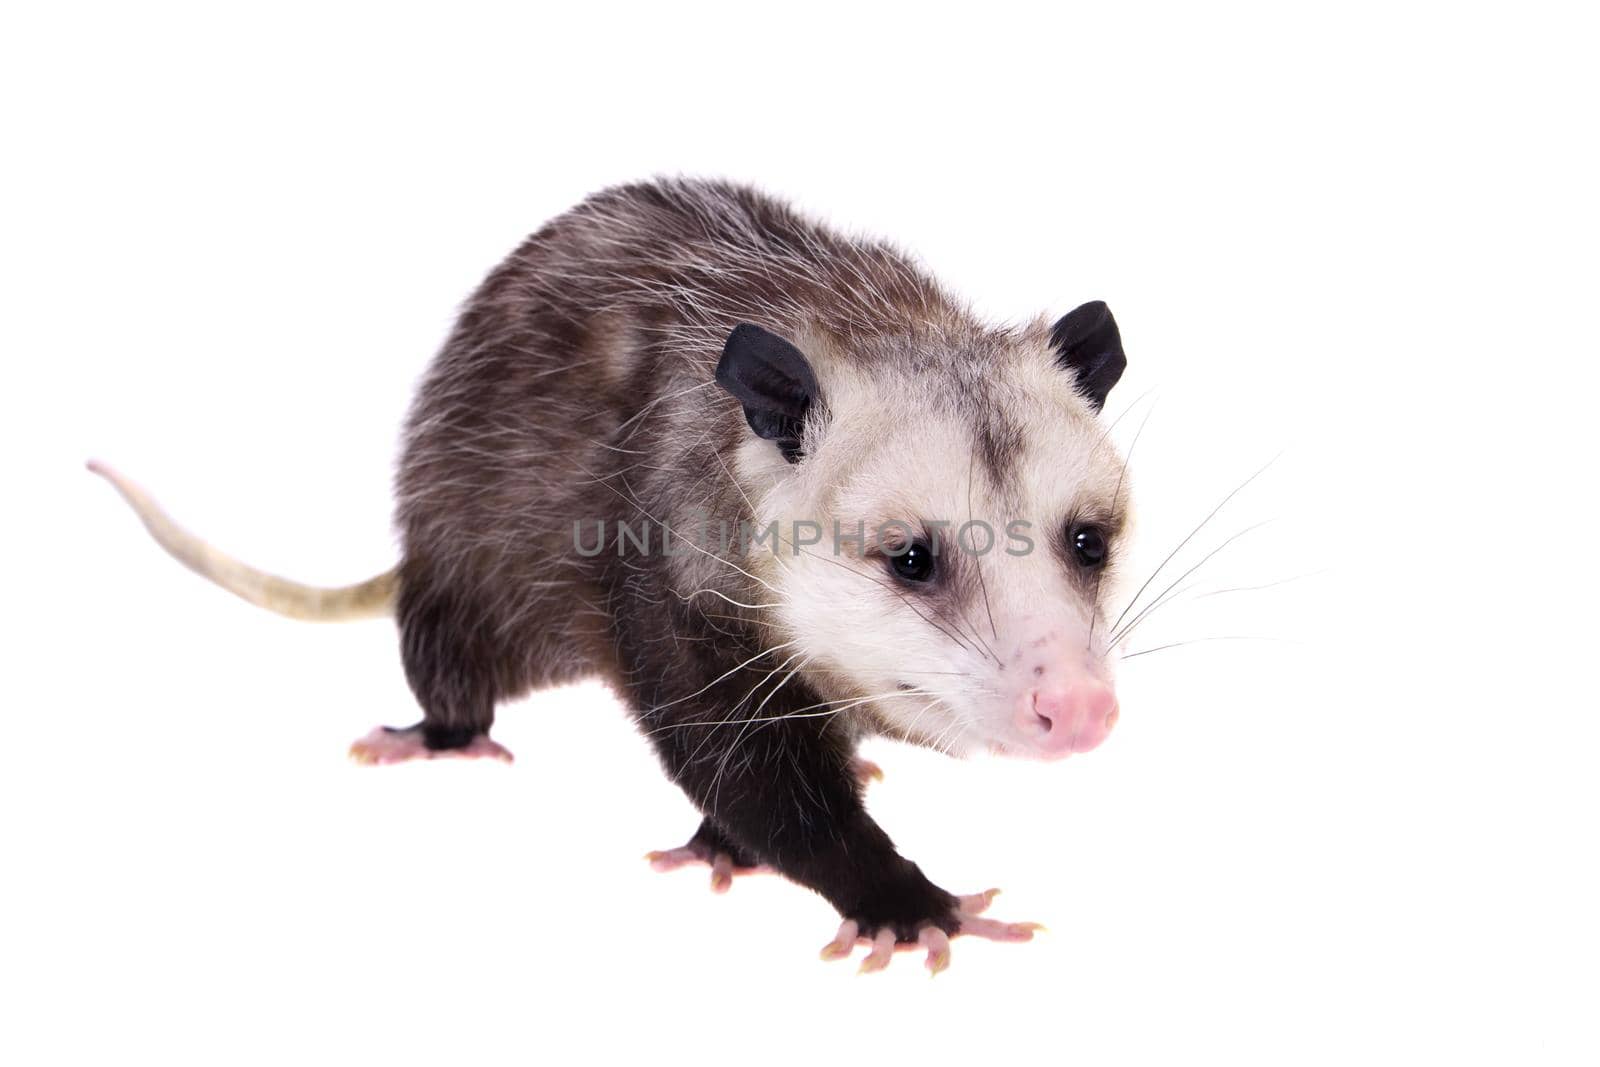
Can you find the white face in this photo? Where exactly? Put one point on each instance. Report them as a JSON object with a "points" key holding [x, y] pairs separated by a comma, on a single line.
{"points": [[991, 631]]}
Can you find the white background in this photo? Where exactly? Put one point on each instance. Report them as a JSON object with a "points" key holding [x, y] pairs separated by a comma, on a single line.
{"points": [[1360, 236]]}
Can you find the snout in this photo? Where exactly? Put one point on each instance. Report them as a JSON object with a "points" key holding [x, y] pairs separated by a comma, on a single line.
{"points": [[1072, 714]]}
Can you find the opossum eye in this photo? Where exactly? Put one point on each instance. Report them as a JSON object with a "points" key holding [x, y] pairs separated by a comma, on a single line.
{"points": [[915, 563], [1089, 546]]}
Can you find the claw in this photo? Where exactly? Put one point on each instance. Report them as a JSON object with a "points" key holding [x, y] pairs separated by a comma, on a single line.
{"points": [[721, 873], [865, 770], [977, 903], [882, 952], [937, 942], [843, 942]]}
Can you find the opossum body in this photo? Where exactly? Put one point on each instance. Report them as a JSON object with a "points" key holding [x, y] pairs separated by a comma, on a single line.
{"points": [[670, 353]]}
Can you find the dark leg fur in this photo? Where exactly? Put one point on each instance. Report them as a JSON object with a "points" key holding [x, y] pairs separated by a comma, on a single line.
{"points": [[437, 737], [711, 840], [454, 668], [781, 790]]}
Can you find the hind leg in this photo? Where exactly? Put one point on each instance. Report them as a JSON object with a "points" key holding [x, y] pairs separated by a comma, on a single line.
{"points": [[457, 671]]}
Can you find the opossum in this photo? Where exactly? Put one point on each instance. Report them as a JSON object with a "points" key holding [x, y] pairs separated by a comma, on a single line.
{"points": [[784, 492]]}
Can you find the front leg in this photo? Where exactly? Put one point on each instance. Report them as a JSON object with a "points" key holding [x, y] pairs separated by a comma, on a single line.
{"points": [[727, 860], [780, 785]]}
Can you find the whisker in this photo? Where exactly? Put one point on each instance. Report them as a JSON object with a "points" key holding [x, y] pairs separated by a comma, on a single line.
{"points": [[1119, 635], [686, 597], [727, 674], [978, 562], [1267, 585], [1239, 489], [716, 779], [763, 680], [1199, 640], [1116, 502]]}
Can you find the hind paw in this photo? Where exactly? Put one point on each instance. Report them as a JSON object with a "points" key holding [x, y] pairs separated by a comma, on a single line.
{"points": [[387, 744]]}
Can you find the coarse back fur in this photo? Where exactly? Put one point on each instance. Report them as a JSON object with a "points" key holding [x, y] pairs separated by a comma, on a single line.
{"points": [[577, 387]]}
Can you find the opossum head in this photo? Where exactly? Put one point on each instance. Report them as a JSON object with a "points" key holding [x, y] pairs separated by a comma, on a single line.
{"points": [[950, 517]]}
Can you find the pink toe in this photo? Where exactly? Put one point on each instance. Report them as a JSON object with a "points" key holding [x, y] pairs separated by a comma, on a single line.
{"points": [[381, 746], [937, 942], [842, 942], [882, 952]]}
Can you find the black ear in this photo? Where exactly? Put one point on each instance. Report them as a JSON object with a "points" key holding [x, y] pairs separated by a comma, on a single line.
{"points": [[772, 379], [1087, 342]]}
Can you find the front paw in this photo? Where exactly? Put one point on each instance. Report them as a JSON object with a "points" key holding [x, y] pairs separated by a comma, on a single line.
{"points": [[711, 847], [962, 915]]}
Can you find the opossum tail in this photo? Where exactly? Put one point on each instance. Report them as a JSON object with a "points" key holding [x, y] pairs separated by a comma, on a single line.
{"points": [[366, 600]]}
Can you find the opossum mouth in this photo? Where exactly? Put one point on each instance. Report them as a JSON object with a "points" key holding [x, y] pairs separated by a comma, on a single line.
{"points": [[1013, 750]]}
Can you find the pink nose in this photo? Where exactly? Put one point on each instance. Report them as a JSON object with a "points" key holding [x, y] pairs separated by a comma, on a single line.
{"points": [[1063, 719]]}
